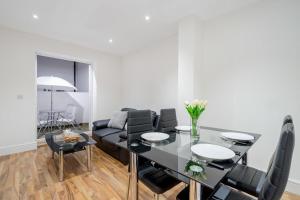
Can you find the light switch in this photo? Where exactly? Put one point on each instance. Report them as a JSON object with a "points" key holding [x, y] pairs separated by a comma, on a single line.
{"points": [[19, 96]]}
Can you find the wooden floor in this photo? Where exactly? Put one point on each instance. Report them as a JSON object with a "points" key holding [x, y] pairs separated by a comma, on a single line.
{"points": [[33, 175]]}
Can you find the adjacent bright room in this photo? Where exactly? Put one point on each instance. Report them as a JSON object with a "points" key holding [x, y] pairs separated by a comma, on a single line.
{"points": [[63, 95]]}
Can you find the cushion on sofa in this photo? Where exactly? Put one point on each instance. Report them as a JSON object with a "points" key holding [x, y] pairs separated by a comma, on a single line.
{"points": [[118, 120], [104, 132]]}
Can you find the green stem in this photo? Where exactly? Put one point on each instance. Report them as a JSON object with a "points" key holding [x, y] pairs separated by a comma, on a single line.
{"points": [[194, 127]]}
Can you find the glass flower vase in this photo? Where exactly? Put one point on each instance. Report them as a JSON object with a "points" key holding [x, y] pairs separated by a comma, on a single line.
{"points": [[194, 131]]}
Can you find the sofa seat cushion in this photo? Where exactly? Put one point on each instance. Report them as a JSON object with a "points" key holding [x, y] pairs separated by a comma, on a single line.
{"points": [[113, 138], [99, 134]]}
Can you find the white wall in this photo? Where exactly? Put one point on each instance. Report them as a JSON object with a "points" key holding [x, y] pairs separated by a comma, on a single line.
{"points": [[17, 84], [188, 34], [149, 77], [250, 75]]}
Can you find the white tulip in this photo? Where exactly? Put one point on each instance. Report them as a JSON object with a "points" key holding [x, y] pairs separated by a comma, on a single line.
{"points": [[200, 102], [195, 101], [186, 103]]}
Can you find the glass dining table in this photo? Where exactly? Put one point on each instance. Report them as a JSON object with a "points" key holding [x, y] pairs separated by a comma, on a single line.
{"points": [[176, 156]]}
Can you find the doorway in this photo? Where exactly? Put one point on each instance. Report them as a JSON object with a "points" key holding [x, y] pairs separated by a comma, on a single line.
{"points": [[64, 91]]}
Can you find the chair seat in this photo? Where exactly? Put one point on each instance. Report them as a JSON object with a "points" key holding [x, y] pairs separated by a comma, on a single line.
{"points": [[222, 193], [157, 180], [246, 178], [65, 120], [227, 193], [43, 122]]}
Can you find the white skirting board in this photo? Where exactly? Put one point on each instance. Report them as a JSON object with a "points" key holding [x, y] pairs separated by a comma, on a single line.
{"points": [[293, 186], [11, 149]]}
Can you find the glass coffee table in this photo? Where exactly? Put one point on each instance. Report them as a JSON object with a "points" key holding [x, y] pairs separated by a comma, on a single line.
{"points": [[58, 145]]}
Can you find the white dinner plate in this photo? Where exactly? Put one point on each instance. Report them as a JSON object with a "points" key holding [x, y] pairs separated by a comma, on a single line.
{"points": [[237, 136], [155, 136], [213, 152], [183, 128]]}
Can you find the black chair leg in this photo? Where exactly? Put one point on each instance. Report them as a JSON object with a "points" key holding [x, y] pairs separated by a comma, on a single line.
{"points": [[245, 159]]}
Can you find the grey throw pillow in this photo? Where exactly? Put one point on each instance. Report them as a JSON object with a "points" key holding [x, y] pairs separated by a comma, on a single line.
{"points": [[118, 120]]}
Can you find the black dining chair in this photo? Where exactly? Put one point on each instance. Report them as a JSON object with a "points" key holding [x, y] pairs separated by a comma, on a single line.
{"points": [[274, 183], [155, 178], [167, 120], [249, 179]]}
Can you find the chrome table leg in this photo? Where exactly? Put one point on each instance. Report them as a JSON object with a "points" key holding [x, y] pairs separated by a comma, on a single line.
{"points": [[133, 176], [61, 165], [89, 157], [195, 190], [128, 187]]}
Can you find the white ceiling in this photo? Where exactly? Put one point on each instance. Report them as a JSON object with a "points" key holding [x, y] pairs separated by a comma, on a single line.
{"points": [[92, 23]]}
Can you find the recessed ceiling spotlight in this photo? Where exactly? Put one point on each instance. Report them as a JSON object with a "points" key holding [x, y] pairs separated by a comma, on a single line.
{"points": [[110, 40], [147, 18], [35, 16]]}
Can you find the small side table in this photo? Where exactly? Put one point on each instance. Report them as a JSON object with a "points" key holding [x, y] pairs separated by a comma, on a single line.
{"points": [[58, 145]]}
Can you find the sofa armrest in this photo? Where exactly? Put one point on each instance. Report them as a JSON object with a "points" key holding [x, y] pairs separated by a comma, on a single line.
{"points": [[123, 135], [100, 124]]}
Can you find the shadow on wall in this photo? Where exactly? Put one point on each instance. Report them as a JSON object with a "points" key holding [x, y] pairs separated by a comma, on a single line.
{"points": [[62, 99]]}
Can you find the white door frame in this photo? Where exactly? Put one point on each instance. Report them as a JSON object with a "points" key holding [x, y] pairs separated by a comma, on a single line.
{"points": [[73, 59]]}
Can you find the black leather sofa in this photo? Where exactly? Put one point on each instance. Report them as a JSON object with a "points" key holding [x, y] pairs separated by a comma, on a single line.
{"points": [[107, 138]]}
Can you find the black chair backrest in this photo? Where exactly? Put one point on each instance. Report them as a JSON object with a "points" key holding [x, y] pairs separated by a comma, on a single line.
{"points": [[139, 121], [128, 109], [278, 174], [287, 119], [167, 121]]}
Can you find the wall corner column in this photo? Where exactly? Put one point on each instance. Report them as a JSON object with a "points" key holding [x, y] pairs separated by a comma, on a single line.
{"points": [[188, 51]]}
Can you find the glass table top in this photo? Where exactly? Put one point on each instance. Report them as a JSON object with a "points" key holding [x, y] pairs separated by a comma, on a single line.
{"points": [[58, 138], [176, 155]]}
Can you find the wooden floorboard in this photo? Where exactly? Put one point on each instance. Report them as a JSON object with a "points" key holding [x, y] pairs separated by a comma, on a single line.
{"points": [[33, 175]]}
